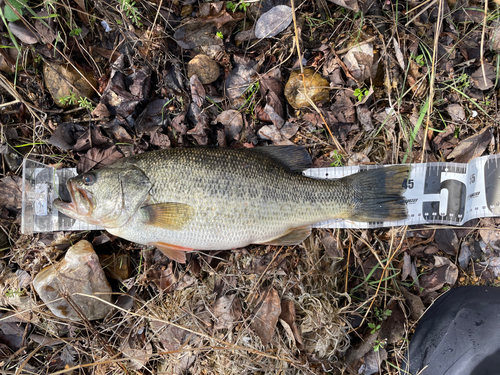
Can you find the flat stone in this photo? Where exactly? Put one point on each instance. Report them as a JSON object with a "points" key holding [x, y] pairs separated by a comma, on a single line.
{"points": [[205, 68], [78, 276], [317, 88], [63, 80]]}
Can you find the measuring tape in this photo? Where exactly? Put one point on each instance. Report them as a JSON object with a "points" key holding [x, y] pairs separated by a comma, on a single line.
{"points": [[436, 193]]}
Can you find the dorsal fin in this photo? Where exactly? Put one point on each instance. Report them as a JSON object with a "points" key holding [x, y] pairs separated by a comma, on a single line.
{"points": [[296, 158]]}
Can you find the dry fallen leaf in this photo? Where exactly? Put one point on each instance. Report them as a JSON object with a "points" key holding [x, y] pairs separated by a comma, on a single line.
{"points": [[393, 326], [359, 61], [226, 311], [273, 22], [97, 157], [456, 112], [197, 90], [266, 315], [233, 123], [472, 147], [289, 317], [484, 81]]}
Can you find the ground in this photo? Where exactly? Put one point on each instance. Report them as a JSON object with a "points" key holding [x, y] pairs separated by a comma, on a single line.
{"points": [[84, 83]]}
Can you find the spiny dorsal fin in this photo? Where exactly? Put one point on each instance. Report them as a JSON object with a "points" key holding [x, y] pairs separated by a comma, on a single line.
{"points": [[168, 215], [296, 158], [292, 236]]}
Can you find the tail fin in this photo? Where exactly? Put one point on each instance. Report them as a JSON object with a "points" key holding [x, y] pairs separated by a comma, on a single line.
{"points": [[378, 194]]}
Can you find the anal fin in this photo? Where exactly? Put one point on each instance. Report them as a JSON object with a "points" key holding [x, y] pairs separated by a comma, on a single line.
{"points": [[174, 252], [292, 236]]}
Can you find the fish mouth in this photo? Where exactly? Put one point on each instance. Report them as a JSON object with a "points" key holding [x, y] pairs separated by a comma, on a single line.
{"points": [[81, 205]]}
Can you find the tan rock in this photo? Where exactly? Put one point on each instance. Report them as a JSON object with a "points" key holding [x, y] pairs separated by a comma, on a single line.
{"points": [[205, 68], [78, 276], [63, 80], [316, 86]]}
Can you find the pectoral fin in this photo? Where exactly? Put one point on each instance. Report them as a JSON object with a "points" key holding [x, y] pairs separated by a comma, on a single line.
{"points": [[169, 215], [174, 252], [292, 236]]}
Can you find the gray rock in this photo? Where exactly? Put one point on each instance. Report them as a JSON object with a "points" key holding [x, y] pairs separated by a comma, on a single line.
{"points": [[78, 276]]}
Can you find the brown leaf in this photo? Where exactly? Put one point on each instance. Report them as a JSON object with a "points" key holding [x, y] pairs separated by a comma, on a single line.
{"points": [[274, 21], [393, 327], [192, 35], [271, 89], [178, 123], [456, 112], [354, 353], [233, 123], [120, 97], [46, 34], [159, 139], [349, 4], [10, 193], [101, 111], [332, 248], [444, 272], [406, 266], [469, 15], [288, 315], [135, 347], [446, 139], [417, 307], [472, 147], [452, 271], [266, 315], [364, 117], [197, 90], [22, 32], [344, 109], [447, 241], [126, 301], [116, 266], [271, 133], [484, 81], [241, 77], [359, 61], [200, 118], [97, 157], [224, 17], [226, 311], [92, 137], [172, 338], [152, 117], [163, 278]]}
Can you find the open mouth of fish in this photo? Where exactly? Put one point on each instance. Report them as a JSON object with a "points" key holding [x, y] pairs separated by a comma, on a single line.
{"points": [[81, 203]]}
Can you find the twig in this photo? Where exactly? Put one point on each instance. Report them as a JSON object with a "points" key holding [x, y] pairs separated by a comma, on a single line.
{"points": [[296, 41], [481, 53], [438, 24]]}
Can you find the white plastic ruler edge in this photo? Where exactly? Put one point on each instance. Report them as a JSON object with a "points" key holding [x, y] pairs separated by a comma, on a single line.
{"points": [[436, 193]]}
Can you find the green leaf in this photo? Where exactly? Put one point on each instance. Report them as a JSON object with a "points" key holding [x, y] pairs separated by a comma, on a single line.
{"points": [[19, 5]]}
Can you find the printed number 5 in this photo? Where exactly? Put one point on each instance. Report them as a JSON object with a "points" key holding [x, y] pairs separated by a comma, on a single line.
{"points": [[408, 184]]}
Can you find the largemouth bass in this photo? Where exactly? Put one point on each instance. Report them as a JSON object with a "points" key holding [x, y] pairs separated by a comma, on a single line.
{"points": [[186, 199]]}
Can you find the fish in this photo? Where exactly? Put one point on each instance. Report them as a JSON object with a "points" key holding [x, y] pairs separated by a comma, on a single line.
{"points": [[213, 198]]}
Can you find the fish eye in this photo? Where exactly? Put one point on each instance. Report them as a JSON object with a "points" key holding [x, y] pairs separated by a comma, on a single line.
{"points": [[88, 179]]}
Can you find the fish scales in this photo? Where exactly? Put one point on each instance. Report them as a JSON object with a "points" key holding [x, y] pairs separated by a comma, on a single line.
{"points": [[229, 198]]}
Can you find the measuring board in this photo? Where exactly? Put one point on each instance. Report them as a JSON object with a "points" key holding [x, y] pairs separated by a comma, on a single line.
{"points": [[436, 193]]}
